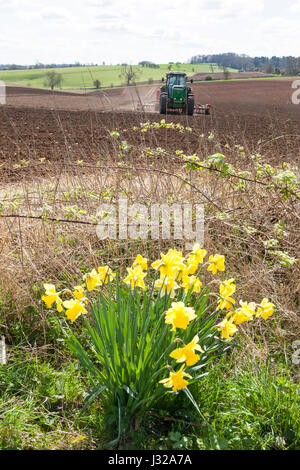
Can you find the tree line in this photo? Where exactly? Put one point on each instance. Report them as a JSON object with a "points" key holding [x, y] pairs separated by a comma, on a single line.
{"points": [[287, 65], [40, 65]]}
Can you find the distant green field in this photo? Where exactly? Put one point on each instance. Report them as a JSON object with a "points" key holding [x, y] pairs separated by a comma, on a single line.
{"points": [[76, 78]]}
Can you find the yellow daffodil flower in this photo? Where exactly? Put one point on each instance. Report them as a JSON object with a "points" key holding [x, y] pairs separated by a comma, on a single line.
{"points": [[216, 263], [176, 380], [51, 297], [79, 293], [197, 255], [142, 261], [245, 313], [166, 285], [227, 288], [92, 279], [190, 268], [169, 264], [105, 273], [179, 316], [226, 303], [227, 328], [189, 281], [74, 309], [135, 277], [187, 353], [265, 309]]}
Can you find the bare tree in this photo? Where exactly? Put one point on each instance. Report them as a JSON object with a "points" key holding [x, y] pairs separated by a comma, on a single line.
{"points": [[291, 66], [53, 79], [226, 73], [269, 68], [129, 73]]}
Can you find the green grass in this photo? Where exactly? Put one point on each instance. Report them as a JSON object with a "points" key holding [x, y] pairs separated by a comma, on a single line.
{"points": [[83, 77], [80, 78], [39, 402], [250, 408], [249, 405]]}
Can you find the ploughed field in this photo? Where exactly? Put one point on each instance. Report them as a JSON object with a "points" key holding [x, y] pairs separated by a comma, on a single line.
{"points": [[66, 128]]}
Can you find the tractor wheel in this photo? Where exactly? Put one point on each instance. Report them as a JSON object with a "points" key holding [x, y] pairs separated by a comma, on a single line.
{"points": [[190, 105], [163, 104]]}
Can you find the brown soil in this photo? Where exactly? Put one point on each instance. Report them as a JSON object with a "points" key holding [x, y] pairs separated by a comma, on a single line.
{"points": [[64, 127], [262, 93], [107, 100]]}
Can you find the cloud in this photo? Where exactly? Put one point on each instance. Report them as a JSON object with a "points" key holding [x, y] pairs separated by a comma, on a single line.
{"points": [[106, 16], [98, 4], [137, 29], [5, 3], [55, 14], [111, 27], [295, 7]]}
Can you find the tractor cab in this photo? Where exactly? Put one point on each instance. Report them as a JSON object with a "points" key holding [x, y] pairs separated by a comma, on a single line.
{"points": [[176, 78], [176, 87]]}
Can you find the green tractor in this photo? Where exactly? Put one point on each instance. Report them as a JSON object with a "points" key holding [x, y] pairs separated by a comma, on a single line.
{"points": [[175, 94]]}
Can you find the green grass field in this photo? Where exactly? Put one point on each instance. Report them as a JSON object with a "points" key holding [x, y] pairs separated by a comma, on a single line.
{"points": [[75, 78]]}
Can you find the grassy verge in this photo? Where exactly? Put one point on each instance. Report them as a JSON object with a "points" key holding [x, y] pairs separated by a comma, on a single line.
{"points": [[251, 405]]}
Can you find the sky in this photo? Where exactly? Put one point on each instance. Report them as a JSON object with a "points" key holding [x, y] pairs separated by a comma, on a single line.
{"points": [[116, 31]]}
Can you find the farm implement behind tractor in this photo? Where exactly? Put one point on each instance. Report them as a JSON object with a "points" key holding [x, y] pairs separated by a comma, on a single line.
{"points": [[202, 109]]}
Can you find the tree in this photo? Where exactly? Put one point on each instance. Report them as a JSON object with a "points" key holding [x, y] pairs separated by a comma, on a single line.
{"points": [[53, 79], [129, 73], [269, 68], [147, 63], [97, 84], [291, 66], [226, 73]]}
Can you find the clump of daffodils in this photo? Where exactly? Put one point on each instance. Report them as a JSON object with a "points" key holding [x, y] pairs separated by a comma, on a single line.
{"points": [[175, 275], [76, 306]]}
